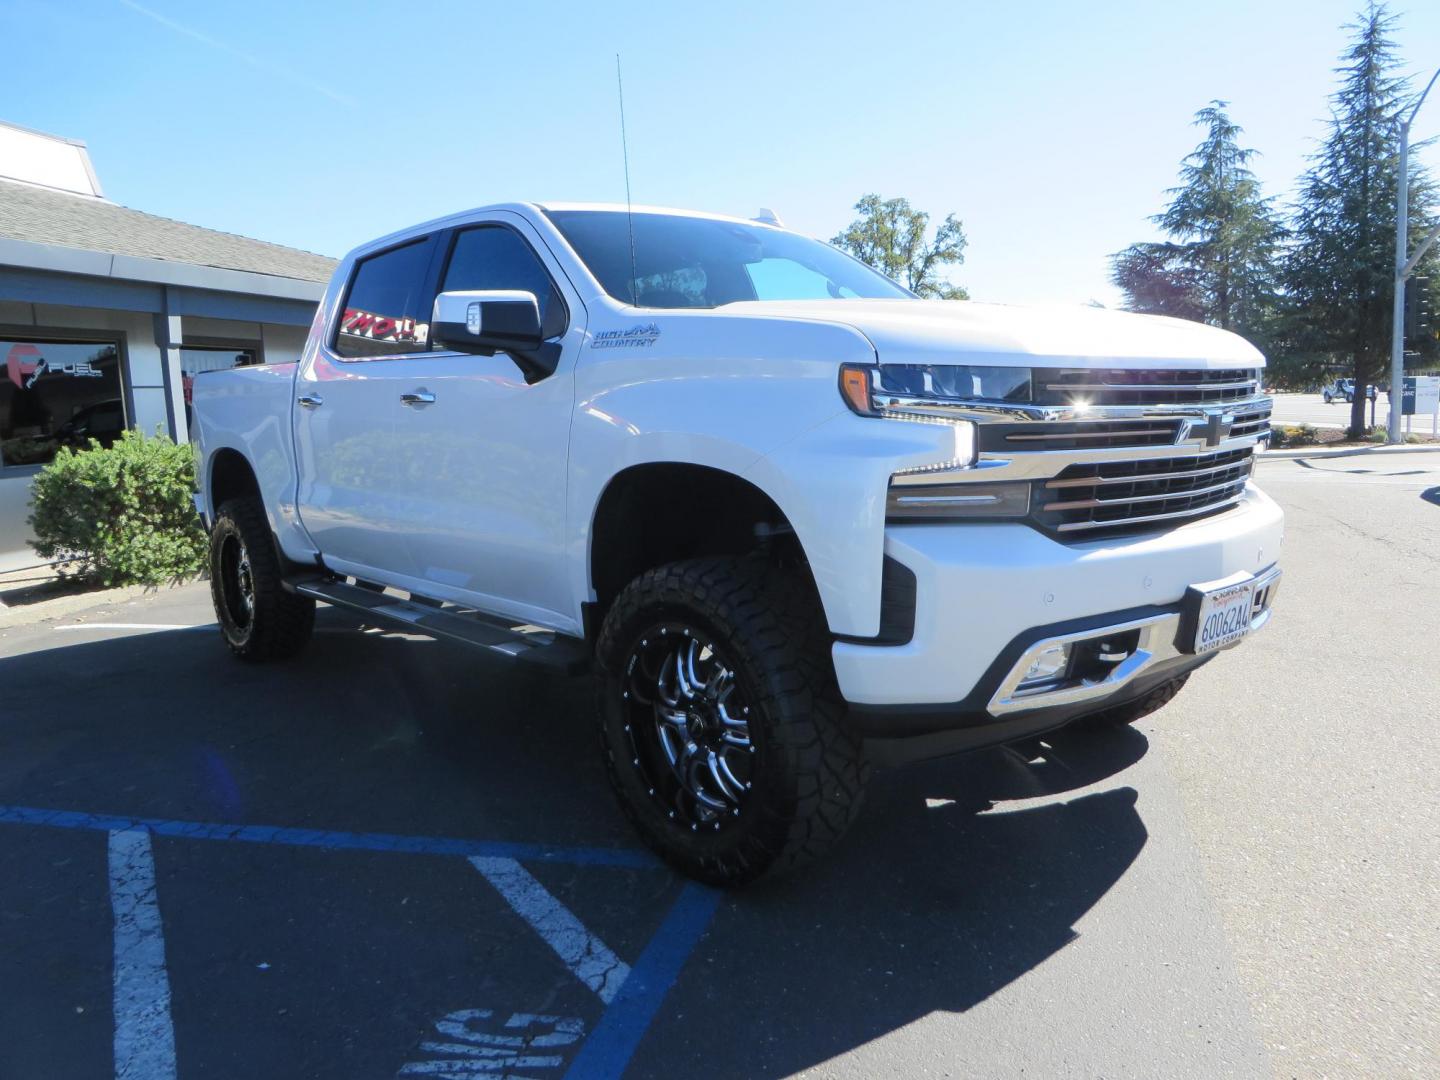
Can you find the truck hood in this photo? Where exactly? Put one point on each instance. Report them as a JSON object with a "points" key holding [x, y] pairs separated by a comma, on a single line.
{"points": [[966, 332]]}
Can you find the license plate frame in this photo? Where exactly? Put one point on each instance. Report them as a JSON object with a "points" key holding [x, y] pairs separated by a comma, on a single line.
{"points": [[1217, 615]]}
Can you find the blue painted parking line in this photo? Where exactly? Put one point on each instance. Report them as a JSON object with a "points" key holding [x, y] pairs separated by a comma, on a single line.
{"points": [[630, 858], [630, 1007], [613, 1042]]}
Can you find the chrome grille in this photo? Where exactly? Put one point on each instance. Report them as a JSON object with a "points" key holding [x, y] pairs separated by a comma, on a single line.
{"points": [[1115, 496], [1079, 434], [1251, 421], [1132, 386]]}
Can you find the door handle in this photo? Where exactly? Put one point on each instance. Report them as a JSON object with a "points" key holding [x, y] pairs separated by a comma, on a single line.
{"points": [[311, 401], [418, 397]]}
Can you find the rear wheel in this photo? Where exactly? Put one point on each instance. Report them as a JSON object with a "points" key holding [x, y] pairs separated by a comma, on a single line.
{"points": [[258, 618], [722, 728]]}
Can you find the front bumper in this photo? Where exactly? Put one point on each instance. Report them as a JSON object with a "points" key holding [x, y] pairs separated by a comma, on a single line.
{"points": [[1157, 639], [985, 594]]}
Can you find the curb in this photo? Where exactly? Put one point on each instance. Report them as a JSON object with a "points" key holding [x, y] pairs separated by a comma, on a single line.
{"points": [[66, 605], [1349, 451]]}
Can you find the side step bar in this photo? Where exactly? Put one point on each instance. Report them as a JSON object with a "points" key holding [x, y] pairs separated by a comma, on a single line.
{"points": [[515, 641]]}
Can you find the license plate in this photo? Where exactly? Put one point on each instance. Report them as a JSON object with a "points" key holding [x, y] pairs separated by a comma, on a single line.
{"points": [[1224, 617]]}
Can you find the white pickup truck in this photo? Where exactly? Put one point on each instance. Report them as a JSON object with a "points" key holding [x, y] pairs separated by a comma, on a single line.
{"points": [[795, 519]]}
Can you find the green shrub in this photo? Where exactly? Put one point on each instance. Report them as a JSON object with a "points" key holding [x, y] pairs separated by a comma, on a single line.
{"points": [[121, 515]]}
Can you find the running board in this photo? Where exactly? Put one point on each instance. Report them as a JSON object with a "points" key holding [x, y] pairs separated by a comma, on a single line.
{"points": [[515, 641]]}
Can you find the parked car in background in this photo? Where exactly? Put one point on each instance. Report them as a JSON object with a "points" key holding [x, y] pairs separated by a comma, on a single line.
{"points": [[1344, 390], [104, 422]]}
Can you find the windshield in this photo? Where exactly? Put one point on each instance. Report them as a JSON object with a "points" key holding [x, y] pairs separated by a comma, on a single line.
{"points": [[693, 262]]}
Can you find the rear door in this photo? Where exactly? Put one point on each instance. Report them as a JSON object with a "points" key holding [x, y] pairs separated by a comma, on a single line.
{"points": [[484, 463], [352, 473]]}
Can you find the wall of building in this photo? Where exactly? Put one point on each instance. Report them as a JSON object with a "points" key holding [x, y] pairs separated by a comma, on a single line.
{"points": [[144, 380], [15, 553]]}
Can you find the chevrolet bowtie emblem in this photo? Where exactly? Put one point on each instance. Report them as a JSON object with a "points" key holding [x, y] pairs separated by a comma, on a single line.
{"points": [[1217, 428]]}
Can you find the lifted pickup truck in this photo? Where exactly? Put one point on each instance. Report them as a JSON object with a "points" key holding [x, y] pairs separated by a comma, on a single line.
{"points": [[795, 519]]}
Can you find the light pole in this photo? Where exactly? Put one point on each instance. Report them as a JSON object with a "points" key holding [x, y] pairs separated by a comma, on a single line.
{"points": [[1403, 268]]}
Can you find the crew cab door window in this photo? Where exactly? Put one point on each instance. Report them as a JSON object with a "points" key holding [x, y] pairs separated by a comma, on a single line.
{"points": [[382, 314], [495, 257]]}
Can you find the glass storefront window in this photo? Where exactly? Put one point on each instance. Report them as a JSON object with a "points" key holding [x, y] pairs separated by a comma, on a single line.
{"points": [[57, 393]]}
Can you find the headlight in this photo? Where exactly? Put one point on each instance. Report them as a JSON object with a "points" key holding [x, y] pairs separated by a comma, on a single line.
{"points": [[968, 382], [859, 384], [858, 391], [931, 492]]}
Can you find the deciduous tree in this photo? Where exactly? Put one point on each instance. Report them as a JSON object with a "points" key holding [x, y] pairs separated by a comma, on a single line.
{"points": [[890, 235]]}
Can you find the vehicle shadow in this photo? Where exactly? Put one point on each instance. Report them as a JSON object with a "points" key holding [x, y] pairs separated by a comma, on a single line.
{"points": [[941, 897], [961, 876], [1431, 495]]}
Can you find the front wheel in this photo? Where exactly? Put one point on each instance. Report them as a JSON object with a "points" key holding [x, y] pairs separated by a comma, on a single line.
{"points": [[1131, 711], [722, 728], [1329, 400], [258, 618]]}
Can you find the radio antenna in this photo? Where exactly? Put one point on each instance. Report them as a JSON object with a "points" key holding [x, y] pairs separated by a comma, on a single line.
{"points": [[625, 154]]}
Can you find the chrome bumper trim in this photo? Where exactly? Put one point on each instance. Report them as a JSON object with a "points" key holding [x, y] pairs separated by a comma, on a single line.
{"points": [[1156, 644]]}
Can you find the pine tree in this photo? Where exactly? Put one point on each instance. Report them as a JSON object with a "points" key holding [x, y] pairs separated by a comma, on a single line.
{"points": [[1221, 264], [1340, 271]]}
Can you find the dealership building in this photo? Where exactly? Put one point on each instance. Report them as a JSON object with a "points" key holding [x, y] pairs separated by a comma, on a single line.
{"points": [[107, 314]]}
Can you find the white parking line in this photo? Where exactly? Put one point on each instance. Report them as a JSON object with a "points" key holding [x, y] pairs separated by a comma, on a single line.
{"points": [[582, 952], [128, 626], [144, 1034]]}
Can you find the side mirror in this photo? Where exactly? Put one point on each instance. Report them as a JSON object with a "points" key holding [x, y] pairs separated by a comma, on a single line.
{"points": [[487, 322]]}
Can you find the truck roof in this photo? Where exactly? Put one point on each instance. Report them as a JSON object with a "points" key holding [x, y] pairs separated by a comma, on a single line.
{"points": [[620, 208]]}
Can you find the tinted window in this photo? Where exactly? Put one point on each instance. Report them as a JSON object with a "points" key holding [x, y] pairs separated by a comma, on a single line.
{"points": [[382, 310], [54, 394], [494, 257], [682, 261]]}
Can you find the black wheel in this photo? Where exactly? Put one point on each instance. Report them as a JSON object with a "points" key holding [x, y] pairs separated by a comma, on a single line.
{"points": [[722, 728], [258, 618], [1329, 400], [1138, 709]]}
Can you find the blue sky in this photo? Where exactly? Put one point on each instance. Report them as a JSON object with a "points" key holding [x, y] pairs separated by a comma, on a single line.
{"points": [[1051, 129]]}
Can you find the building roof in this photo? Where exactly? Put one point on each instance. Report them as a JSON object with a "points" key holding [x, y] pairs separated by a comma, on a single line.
{"points": [[42, 216]]}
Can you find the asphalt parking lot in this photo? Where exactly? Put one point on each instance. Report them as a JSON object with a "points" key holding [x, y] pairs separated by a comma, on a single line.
{"points": [[391, 860]]}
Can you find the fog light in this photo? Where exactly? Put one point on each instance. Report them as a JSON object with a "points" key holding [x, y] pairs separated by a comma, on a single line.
{"points": [[1049, 666]]}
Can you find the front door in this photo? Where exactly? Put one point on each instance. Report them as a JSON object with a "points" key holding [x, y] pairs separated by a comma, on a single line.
{"points": [[443, 473], [483, 452]]}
